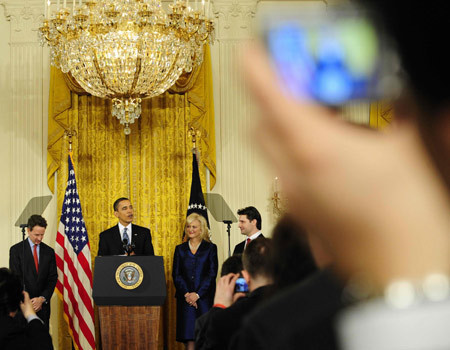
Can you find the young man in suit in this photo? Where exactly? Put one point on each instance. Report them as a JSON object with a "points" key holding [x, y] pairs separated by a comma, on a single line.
{"points": [[125, 235], [34, 263], [250, 226]]}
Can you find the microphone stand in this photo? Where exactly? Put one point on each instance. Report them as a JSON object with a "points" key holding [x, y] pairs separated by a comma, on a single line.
{"points": [[128, 248], [228, 223], [22, 226]]}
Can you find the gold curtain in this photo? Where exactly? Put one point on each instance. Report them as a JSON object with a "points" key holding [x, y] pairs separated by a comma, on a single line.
{"points": [[152, 166]]}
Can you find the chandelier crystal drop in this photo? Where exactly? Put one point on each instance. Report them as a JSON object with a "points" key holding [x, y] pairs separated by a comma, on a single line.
{"points": [[127, 50]]}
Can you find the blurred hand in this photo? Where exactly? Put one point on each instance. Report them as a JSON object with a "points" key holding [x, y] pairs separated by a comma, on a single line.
{"points": [[26, 306], [225, 290], [375, 199]]}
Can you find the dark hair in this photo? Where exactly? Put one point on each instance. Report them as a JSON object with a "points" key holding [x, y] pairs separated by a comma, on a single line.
{"points": [[36, 220], [116, 203], [10, 292], [424, 60], [256, 258], [232, 265], [252, 214], [420, 47], [291, 257]]}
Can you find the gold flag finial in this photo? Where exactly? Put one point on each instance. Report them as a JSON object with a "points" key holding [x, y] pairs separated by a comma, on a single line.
{"points": [[70, 133], [194, 134]]}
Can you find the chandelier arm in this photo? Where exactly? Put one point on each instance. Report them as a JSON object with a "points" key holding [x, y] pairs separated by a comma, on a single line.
{"points": [[154, 82], [172, 66], [97, 68], [204, 37], [136, 74]]}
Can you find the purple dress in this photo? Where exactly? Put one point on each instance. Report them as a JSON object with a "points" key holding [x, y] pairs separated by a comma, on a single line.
{"points": [[193, 273]]}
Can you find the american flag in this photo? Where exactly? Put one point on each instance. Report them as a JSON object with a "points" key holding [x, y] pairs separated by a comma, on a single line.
{"points": [[73, 259]]}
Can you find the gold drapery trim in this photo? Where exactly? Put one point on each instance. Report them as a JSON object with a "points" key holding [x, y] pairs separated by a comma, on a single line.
{"points": [[152, 166]]}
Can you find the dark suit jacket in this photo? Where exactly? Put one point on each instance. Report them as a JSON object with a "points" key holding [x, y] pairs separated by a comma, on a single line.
{"points": [[15, 336], [215, 331], [42, 284], [239, 248], [301, 317], [111, 241]]}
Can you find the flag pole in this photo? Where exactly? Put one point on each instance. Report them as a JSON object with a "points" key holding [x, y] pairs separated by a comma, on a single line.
{"points": [[73, 262], [196, 201], [194, 134], [69, 133]]}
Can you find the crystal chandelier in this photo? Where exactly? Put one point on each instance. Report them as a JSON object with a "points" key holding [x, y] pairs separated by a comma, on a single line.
{"points": [[126, 50]]}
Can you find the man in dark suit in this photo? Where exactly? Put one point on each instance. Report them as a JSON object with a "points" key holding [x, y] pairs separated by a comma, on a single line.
{"points": [[250, 226], [34, 263], [125, 237]]}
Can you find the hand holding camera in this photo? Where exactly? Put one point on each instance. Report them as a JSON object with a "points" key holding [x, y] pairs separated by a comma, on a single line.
{"points": [[226, 293]]}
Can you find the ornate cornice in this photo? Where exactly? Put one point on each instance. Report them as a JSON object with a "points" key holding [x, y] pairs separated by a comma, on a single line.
{"points": [[25, 17], [234, 19]]}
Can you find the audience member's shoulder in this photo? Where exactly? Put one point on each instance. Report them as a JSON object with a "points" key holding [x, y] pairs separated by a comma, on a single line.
{"points": [[319, 295], [299, 317]]}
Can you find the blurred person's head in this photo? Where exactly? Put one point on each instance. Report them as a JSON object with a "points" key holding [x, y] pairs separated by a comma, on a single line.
{"points": [[424, 59], [249, 220], [232, 265], [319, 251], [257, 263], [196, 227], [10, 292], [36, 228], [291, 257]]}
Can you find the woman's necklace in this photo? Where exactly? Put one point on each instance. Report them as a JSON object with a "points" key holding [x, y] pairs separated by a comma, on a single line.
{"points": [[193, 250]]}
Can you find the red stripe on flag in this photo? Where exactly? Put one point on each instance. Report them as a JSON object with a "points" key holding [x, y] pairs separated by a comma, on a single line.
{"points": [[85, 264], [85, 298], [75, 335], [74, 273]]}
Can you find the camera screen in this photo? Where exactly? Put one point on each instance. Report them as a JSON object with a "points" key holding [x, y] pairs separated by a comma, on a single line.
{"points": [[330, 60], [241, 286]]}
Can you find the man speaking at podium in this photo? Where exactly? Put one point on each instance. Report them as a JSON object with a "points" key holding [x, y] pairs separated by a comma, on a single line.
{"points": [[125, 238]]}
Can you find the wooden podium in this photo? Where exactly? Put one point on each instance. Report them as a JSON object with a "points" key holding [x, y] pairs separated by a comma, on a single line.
{"points": [[129, 292]]}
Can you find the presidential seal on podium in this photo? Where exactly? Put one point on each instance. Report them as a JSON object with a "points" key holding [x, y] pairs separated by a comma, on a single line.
{"points": [[129, 275]]}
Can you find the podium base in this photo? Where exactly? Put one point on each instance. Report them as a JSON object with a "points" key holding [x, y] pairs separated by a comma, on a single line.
{"points": [[130, 327]]}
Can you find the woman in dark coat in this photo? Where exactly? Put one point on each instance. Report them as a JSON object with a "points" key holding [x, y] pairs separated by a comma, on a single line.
{"points": [[194, 275]]}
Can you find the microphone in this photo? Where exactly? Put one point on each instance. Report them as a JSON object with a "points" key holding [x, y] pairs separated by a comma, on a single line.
{"points": [[125, 245]]}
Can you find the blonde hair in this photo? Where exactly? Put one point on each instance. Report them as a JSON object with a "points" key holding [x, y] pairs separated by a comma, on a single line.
{"points": [[203, 226]]}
